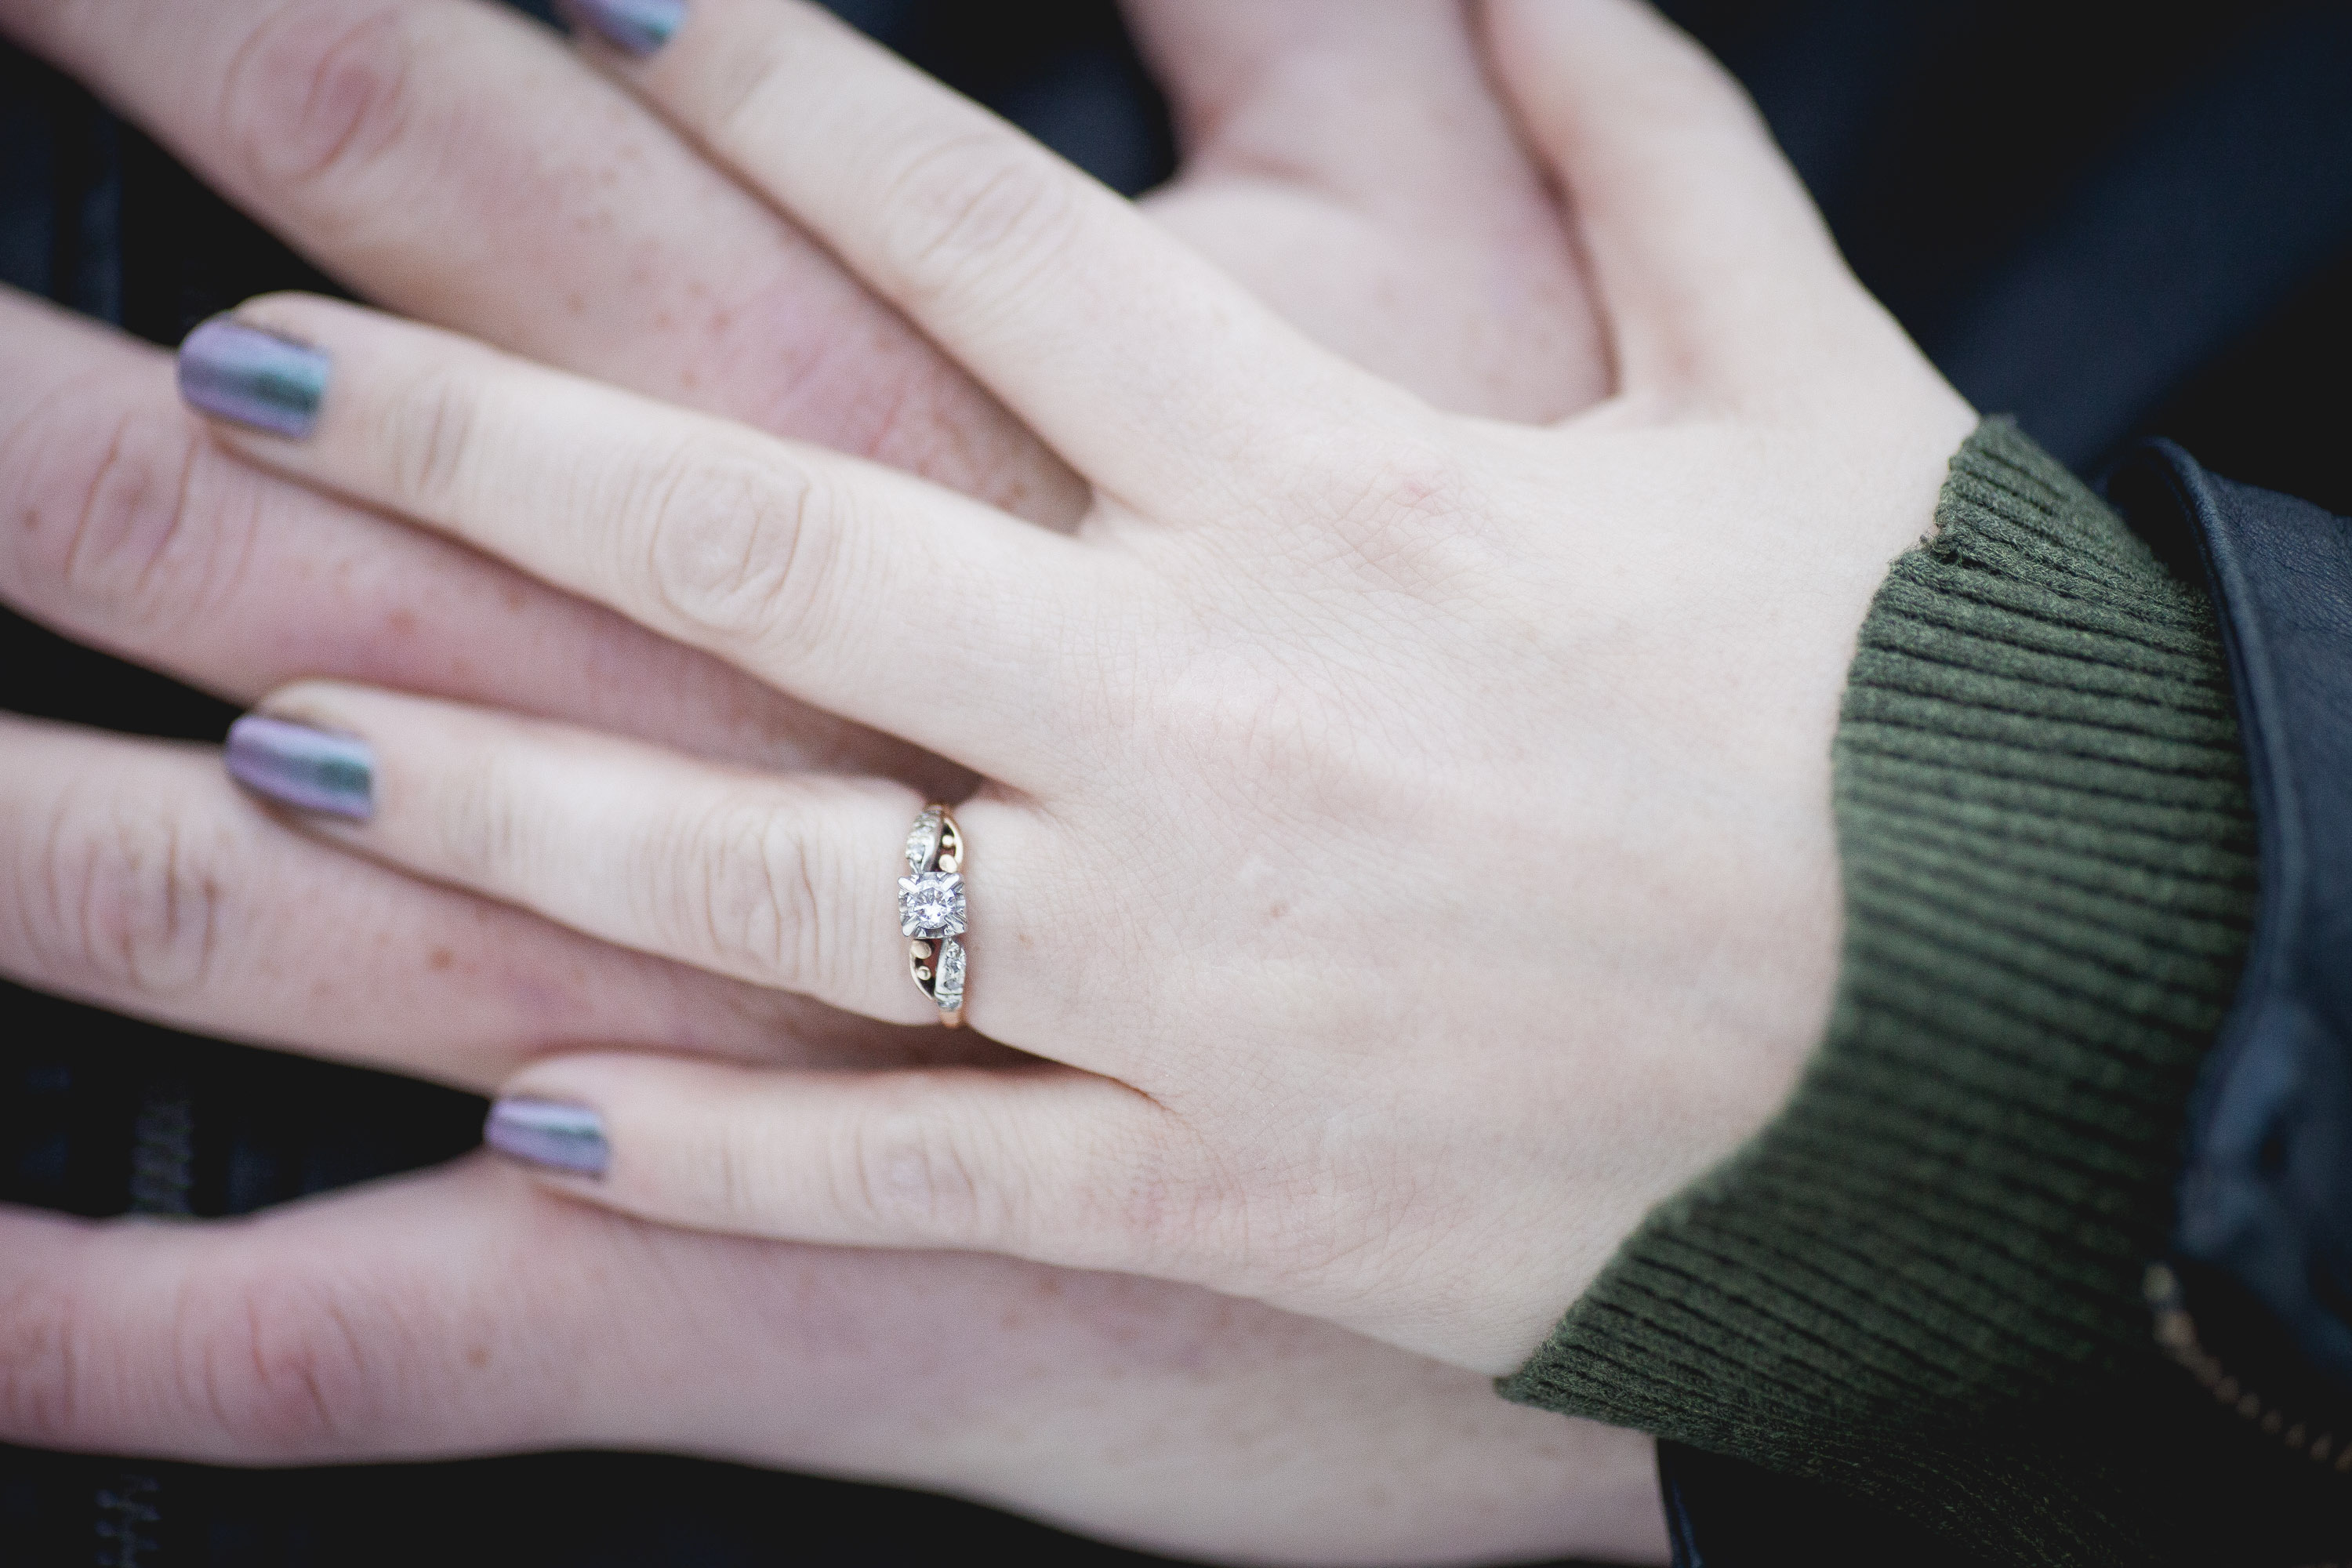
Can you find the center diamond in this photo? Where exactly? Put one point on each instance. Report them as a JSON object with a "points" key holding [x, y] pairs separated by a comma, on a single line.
{"points": [[930, 904]]}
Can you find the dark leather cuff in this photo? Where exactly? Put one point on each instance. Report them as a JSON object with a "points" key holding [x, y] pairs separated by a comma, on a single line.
{"points": [[2257, 1302]]}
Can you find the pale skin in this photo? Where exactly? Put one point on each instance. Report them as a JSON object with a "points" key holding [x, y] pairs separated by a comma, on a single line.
{"points": [[1152, 1411], [1404, 845]]}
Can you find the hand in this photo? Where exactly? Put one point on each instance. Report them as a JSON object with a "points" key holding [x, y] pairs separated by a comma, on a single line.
{"points": [[462, 1311], [1407, 847], [132, 878], [427, 121]]}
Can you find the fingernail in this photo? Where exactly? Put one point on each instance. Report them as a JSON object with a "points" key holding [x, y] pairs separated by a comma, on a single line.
{"points": [[636, 26], [252, 377], [295, 765], [548, 1134]]}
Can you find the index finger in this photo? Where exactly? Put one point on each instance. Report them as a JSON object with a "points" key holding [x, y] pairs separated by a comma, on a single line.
{"points": [[1138, 362], [455, 163]]}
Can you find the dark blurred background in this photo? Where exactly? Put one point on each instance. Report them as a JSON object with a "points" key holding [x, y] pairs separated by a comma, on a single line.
{"points": [[2111, 220]]}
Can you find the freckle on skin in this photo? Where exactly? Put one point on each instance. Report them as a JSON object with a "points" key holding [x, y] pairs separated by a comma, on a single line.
{"points": [[442, 958], [478, 1356], [401, 623], [32, 520], [515, 598]]}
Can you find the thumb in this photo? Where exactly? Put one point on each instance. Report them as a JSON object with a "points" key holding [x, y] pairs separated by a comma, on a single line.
{"points": [[1354, 167], [1710, 260], [1386, 107]]}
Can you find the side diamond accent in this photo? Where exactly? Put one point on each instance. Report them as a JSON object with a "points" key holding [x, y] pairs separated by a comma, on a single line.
{"points": [[950, 990], [922, 840]]}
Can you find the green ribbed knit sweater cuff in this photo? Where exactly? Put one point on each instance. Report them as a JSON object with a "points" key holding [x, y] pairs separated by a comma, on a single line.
{"points": [[1921, 1282]]}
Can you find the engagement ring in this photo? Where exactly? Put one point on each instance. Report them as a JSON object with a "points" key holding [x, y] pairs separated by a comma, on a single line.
{"points": [[930, 910]]}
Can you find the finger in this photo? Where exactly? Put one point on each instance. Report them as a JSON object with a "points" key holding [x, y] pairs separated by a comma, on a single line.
{"points": [[1384, 107], [1338, 158], [1055, 1165], [131, 530], [880, 597], [396, 1322], [780, 881], [1714, 266], [455, 163], [133, 875], [1142, 365], [464, 1312]]}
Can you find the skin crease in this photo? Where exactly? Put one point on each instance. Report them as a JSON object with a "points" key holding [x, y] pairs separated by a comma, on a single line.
{"points": [[1351, 1017], [1153, 1412]]}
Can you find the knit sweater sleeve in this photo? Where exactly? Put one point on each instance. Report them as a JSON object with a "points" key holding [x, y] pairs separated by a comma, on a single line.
{"points": [[1922, 1282]]}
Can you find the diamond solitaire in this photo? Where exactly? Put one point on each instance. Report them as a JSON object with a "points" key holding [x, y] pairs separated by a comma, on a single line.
{"points": [[930, 904]]}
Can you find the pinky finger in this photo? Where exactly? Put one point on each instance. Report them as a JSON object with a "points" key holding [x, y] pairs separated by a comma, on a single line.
{"points": [[1050, 1165]]}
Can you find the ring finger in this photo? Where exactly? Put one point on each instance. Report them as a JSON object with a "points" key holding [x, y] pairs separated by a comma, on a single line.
{"points": [[131, 875], [784, 881]]}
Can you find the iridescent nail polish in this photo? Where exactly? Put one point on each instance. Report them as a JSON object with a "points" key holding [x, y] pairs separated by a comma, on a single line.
{"points": [[636, 26], [297, 766], [252, 377], [548, 1134]]}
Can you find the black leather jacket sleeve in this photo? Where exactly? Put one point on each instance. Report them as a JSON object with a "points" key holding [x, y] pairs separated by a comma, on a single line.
{"points": [[2257, 1299]]}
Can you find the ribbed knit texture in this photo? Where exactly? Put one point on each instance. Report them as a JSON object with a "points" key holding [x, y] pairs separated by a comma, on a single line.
{"points": [[1921, 1282]]}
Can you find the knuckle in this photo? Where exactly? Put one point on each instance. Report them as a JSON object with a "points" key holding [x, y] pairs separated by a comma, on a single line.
{"points": [[481, 826], [40, 1368], [1406, 512], [1245, 714], [748, 898], [912, 1175], [799, 898], [429, 433], [968, 205], [1403, 486], [111, 507], [731, 551], [320, 93], [279, 1366], [131, 900]]}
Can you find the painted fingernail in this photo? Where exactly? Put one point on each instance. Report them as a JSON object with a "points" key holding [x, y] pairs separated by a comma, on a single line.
{"points": [[252, 377], [636, 26], [298, 765], [548, 1134]]}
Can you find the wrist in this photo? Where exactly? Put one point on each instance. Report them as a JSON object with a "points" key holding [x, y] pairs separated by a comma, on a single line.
{"points": [[2044, 840]]}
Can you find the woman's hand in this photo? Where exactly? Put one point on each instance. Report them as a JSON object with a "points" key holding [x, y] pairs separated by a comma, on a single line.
{"points": [[433, 161], [429, 153], [1407, 845]]}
